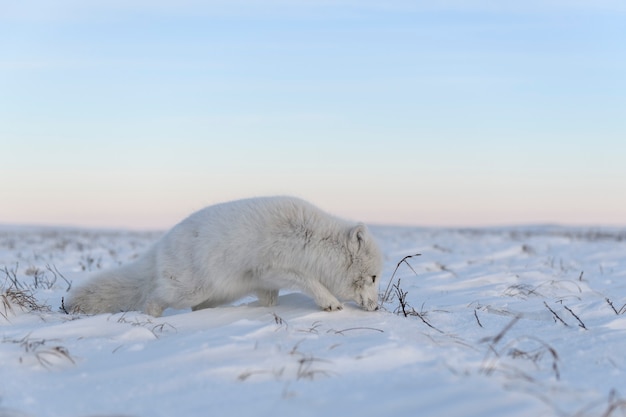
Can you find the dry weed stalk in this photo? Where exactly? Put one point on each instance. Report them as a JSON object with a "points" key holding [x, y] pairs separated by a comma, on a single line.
{"points": [[556, 316], [306, 367], [535, 355], [41, 278], [341, 332], [387, 293], [44, 354], [306, 370], [11, 276], [22, 298], [408, 310], [580, 322], [477, 319], [147, 323], [615, 404], [618, 312]]}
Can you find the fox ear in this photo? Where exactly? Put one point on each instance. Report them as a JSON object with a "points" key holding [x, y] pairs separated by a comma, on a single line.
{"points": [[357, 235]]}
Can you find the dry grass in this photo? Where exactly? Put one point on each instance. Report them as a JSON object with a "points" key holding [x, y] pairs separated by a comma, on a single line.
{"points": [[15, 295], [44, 354], [306, 367], [386, 296], [12, 298], [507, 353], [147, 323]]}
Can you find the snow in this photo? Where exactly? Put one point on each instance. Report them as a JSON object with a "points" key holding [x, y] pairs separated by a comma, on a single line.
{"points": [[511, 321]]}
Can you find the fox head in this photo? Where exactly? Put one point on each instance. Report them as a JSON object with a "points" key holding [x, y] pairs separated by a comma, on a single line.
{"points": [[364, 268]]}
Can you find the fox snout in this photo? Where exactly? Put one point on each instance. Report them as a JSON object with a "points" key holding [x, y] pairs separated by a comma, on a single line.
{"points": [[368, 304]]}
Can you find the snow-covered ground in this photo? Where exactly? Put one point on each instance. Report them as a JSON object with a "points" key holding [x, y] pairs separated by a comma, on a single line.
{"points": [[527, 321]]}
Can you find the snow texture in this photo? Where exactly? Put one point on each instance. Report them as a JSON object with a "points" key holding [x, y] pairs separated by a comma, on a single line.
{"points": [[526, 321]]}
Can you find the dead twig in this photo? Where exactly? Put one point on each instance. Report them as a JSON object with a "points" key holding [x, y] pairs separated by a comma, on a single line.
{"points": [[615, 403], [55, 272], [313, 328], [11, 275], [408, 310], [387, 292], [477, 319], [580, 322], [496, 339], [280, 321], [556, 316], [421, 317], [493, 341], [402, 303], [63, 309], [305, 368], [354, 328], [42, 352], [535, 355], [618, 312]]}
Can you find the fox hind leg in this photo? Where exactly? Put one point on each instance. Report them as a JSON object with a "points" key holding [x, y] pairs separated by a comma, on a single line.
{"points": [[210, 303], [267, 298], [153, 308]]}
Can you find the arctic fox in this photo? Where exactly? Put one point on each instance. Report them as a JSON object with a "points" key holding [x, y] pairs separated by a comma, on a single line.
{"points": [[253, 246]]}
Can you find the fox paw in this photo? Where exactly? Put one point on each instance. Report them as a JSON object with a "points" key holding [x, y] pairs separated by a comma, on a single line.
{"points": [[333, 307]]}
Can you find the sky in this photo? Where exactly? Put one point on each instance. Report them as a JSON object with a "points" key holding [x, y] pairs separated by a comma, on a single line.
{"points": [[454, 113]]}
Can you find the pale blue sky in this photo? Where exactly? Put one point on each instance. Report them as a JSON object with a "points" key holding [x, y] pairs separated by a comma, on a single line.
{"points": [[134, 114]]}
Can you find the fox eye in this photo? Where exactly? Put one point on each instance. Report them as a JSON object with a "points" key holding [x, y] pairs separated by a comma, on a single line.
{"points": [[373, 278]]}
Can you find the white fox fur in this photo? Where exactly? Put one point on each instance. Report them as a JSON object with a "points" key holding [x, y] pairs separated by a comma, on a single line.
{"points": [[227, 251]]}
